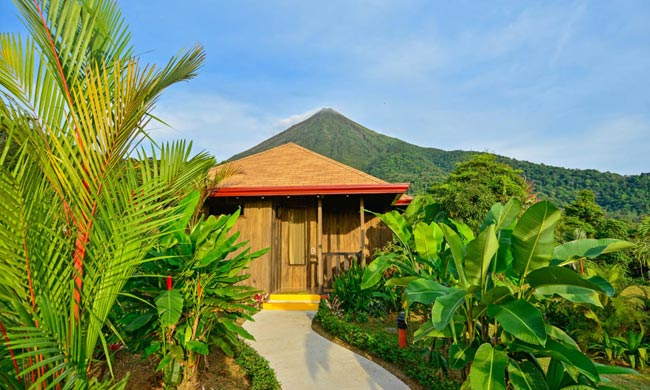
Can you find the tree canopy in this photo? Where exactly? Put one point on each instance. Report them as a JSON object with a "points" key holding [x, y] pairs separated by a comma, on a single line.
{"points": [[475, 185]]}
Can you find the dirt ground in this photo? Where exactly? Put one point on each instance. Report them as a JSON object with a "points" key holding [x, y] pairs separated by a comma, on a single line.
{"points": [[218, 371]]}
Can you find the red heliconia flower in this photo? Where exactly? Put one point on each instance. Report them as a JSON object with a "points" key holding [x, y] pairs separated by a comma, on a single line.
{"points": [[114, 347], [169, 282]]}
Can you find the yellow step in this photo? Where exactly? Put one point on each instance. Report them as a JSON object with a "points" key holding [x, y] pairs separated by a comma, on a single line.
{"points": [[311, 298], [292, 302], [290, 306]]}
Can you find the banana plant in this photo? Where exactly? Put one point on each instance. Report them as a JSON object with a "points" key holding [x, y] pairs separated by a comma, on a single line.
{"points": [[490, 309], [418, 240], [194, 298]]}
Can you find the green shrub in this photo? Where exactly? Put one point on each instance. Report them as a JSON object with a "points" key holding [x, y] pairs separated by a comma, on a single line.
{"points": [[257, 368], [384, 346], [356, 302]]}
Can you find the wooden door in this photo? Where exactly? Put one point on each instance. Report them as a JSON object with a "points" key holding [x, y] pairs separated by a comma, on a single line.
{"points": [[294, 248]]}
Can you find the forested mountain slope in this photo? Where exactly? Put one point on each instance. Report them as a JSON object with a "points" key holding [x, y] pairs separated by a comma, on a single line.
{"points": [[329, 133]]}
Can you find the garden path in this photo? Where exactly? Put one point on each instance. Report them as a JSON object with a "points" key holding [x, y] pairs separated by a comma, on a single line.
{"points": [[303, 359]]}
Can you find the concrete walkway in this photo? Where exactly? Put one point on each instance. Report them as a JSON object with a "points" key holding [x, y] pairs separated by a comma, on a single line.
{"points": [[303, 359]]}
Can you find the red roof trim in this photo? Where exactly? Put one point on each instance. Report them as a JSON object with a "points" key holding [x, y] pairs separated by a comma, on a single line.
{"points": [[352, 189], [403, 201]]}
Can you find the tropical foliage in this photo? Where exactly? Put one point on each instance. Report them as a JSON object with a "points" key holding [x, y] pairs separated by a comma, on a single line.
{"points": [[77, 213], [357, 303], [488, 295], [191, 302]]}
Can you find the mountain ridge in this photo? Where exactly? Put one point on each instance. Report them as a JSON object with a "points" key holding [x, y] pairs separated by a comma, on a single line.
{"points": [[332, 134]]}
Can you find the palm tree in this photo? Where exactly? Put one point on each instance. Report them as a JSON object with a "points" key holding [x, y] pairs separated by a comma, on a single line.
{"points": [[77, 214]]}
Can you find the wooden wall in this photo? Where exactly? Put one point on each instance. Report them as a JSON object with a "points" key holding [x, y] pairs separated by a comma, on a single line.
{"points": [[264, 224], [342, 235], [341, 231], [255, 226]]}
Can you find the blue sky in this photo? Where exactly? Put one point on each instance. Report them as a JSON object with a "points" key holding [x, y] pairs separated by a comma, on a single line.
{"points": [[563, 83]]}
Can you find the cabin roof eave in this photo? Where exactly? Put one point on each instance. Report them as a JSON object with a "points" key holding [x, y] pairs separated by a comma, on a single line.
{"points": [[345, 189]]}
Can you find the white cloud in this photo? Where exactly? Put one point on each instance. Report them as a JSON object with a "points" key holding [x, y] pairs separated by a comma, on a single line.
{"points": [[222, 127], [284, 123]]}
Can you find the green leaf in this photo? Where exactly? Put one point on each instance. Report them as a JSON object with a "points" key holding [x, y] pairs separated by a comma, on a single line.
{"points": [[457, 251], [198, 347], [555, 373], [185, 210], [445, 307], [504, 254], [496, 295], [526, 376], [488, 371], [427, 330], [138, 322], [428, 239], [562, 276], [460, 355], [589, 248], [479, 255], [397, 224], [520, 319], [400, 282], [164, 362], [500, 215], [533, 238], [573, 294], [603, 285], [559, 335], [492, 216], [151, 349], [615, 370], [170, 307], [224, 346], [237, 329], [424, 291], [569, 355], [464, 230], [415, 208], [375, 270], [207, 254]]}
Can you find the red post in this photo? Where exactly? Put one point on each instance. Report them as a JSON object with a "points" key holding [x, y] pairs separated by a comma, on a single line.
{"points": [[401, 331]]}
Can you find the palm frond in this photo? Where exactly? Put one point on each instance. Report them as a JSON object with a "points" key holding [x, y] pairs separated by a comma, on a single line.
{"points": [[77, 216]]}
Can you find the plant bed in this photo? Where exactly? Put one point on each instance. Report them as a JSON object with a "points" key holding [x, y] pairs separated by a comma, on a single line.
{"points": [[246, 370], [376, 343]]}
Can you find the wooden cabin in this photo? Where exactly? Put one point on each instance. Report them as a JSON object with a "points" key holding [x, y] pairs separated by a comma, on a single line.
{"points": [[309, 210]]}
